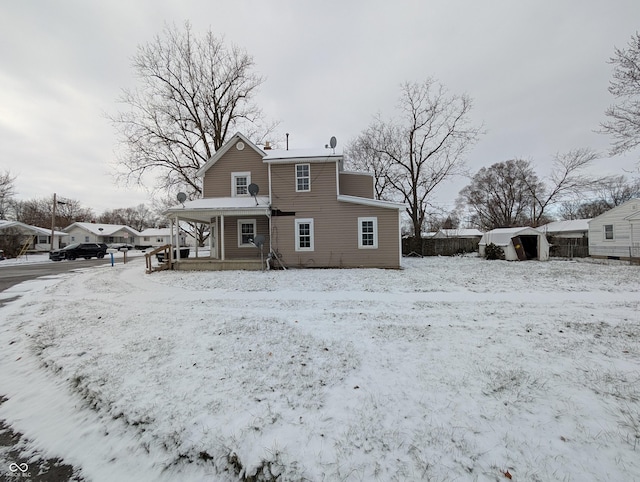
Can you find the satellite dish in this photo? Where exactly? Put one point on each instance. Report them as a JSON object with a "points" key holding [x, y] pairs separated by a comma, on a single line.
{"points": [[333, 142], [182, 197], [253, 189], [259, 240]]}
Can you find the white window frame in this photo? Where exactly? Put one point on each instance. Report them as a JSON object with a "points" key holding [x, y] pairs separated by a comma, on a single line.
{"points": [[255, 230], [374, 221], [300, 178], [298, 223], [234, 187], [604, 232]]}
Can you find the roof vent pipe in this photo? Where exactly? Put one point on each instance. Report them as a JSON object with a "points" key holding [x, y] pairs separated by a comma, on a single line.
{"points": [[267, 146], [287, 141]]}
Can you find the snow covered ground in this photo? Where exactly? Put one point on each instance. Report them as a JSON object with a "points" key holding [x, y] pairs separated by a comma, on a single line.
{"points": [[451, 369]]}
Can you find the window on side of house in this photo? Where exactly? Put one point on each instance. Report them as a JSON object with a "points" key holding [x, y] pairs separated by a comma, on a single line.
{"points": [[368, 233], [304, 234], [240, 183], [246, 232], [303, 178], [608, 231], [86, 239]]}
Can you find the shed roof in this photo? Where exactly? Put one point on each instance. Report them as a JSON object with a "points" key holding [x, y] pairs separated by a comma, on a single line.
{"points": [[502, 236]]}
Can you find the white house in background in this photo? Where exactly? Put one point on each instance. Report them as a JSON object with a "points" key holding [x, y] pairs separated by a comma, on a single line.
{"points": [[517, 243], [575, 228], [616, 233], [100, 233], [39, 238], [155, 237]]}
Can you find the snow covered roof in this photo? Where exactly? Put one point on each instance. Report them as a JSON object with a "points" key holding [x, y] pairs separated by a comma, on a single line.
{"points": [[371, 202], [4, 224], [156, 232], [203, 209], [308, 155], [502, 236], [102, 229], [566, 226]]}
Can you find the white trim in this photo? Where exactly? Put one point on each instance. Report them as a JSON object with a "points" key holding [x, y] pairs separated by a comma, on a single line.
{"points": [[236, 175], [296, 234], [308, 176], [371, 202], [604, 232], [255, 229], [374, 221]]}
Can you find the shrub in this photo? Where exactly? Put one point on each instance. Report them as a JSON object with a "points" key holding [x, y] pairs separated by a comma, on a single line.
{"points": [[491, 251]]}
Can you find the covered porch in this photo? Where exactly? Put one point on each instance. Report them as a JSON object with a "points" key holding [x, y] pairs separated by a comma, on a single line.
{"points": [[232, 223]]}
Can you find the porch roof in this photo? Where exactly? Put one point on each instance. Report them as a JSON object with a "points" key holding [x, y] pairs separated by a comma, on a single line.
{"points": [[203, 210]]}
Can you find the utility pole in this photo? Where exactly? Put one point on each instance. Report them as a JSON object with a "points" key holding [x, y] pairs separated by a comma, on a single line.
{"points": [[53, 219]]}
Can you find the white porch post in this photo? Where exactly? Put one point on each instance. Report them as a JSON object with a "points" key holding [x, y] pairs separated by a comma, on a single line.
{"points": [[222, 237], [177, 238]]}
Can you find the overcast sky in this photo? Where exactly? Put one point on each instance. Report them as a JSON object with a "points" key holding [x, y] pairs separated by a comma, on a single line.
{"points": [[537, 72]]}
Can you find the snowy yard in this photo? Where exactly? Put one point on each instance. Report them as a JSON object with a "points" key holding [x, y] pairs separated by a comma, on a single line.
{"points": [[451, 369]]}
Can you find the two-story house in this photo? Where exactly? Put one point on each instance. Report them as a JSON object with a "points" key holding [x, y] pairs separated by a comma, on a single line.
{"points": [[308, 211]]}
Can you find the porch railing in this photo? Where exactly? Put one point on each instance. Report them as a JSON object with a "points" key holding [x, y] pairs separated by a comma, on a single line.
{"points": [[167, 258]]}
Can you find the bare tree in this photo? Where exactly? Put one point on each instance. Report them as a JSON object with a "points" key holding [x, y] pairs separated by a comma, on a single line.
{"points": [[424, 147], [38, 212], [194, 94], [609, 192], [624, 116], [500, 196], [362, 155], [138, 217], [567, 178], [7, 191]]}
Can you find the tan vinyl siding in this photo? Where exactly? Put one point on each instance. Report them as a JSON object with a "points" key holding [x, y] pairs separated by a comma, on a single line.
{"points": [[360, 185], [217, 180], [231, 248], [335, 223]]}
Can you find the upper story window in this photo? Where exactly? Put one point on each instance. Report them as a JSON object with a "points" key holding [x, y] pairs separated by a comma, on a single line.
{"points": [[368, 233], [303, 178], [608, 231], [240, 183]]}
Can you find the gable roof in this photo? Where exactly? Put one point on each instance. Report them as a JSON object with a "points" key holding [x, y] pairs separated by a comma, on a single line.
{"points": [[620, 207], [566, 226], [225, 147], [502, 236], [102, 229], [4, 224]]}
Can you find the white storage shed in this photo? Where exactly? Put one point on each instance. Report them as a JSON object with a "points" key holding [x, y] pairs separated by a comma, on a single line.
{"points": [[517, 243]]}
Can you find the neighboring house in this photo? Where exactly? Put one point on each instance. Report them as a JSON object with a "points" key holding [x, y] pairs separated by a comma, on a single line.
{"points": [[616, 233], [101, 233], [462, 233], [575, 228], [307, 210], [517, 243], [155, 237], [39, 238]]}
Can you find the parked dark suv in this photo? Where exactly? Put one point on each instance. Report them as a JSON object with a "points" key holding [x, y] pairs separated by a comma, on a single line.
{"points": [[79, 250]]}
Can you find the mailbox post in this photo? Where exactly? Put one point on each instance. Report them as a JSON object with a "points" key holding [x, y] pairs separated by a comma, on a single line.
{"points": [[111, 251]]}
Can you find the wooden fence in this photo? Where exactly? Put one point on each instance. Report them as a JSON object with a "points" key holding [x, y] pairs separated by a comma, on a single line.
{"points": [[569, 247], [438, 246]]}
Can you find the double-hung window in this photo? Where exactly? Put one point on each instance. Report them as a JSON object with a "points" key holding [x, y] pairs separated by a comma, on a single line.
{"points": [[304, 234], [246, 232], [303, 177], [608, 231], [368, 233], [240, 183]]}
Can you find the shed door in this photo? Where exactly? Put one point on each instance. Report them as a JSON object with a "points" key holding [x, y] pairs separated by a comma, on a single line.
{"points": [[517, 243]]}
